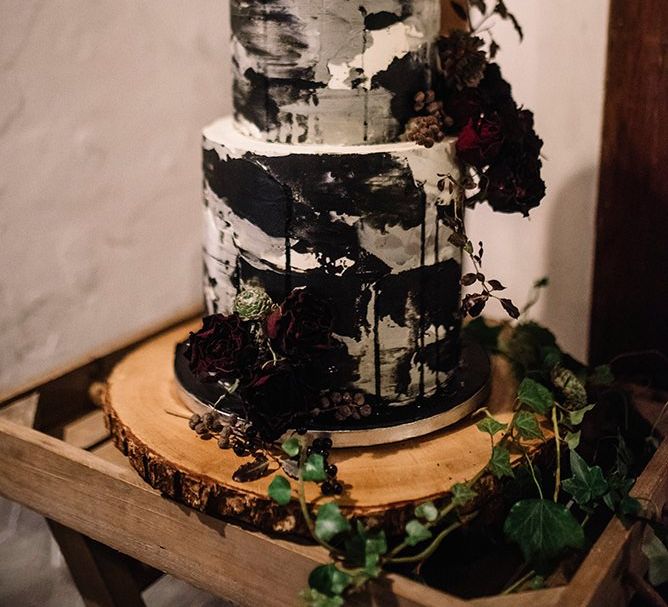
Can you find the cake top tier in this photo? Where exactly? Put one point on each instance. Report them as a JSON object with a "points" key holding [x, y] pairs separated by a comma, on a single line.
{"points": [[330, 71]]}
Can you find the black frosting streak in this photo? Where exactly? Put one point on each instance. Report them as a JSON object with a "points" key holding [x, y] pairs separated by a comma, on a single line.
{"points": [[249, 190], [436, 259], [288, 245], [376, 344], [377, 187], [423, 294], [380, 20]]}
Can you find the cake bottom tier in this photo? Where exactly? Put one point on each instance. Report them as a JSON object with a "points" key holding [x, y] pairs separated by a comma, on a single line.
{"points": [[359, 226]]}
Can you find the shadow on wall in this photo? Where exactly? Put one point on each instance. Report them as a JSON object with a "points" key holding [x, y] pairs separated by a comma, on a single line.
{"points": [[569, 255]]}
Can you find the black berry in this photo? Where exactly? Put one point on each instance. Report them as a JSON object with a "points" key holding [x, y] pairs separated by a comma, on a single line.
{"points": [[327, 488], [332, 470]]}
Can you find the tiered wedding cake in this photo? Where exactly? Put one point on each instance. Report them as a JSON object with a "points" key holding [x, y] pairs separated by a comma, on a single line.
{"points": [[310, 185]]}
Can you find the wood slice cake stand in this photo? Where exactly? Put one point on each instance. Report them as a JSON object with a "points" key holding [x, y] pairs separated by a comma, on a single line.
{"points": [[384, 482]]}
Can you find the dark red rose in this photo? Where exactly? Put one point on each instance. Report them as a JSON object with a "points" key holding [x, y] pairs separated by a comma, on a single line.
{"points": [[480, 141], [515, 186], [495, 92], [302, 324], [278, 399], [462, 106], [223, 349]]}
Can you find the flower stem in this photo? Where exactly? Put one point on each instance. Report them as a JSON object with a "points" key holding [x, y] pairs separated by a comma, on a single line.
{"points": [[519, 583], [302, 501], [557, 439], [429, 550]]}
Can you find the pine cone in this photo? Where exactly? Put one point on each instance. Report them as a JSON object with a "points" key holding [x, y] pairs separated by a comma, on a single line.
{"points": [[462, 60]]}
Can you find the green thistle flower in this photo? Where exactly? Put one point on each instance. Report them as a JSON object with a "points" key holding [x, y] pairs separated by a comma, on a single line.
{"points": [[253, 303], [570, 386]]}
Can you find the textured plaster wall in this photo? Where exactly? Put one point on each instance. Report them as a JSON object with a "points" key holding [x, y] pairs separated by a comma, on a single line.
{"points": [[101, 105], [558, 71]]}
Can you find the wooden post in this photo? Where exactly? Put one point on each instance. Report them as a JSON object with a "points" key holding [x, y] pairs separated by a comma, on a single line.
{"points": [[630, 290]]}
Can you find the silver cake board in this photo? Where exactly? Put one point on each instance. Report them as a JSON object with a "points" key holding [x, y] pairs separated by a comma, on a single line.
{"points": [[466, 391]]}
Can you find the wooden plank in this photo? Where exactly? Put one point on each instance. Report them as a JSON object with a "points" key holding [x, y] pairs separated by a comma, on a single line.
{"points": [[600, 578], [631, 253], [113, 506], [108, 452], [86, 431], [99, 572]]}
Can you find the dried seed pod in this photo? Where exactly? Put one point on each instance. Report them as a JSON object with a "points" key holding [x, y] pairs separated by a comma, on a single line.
{"points": [[347, 397], [345, 411], [335, 397], [366, 410], [325, 402], [224, 442], [201, 428], [358, 398], [194, 420]]}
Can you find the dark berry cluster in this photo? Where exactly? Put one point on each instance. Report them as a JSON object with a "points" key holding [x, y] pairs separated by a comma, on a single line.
{"points": [[331, 486]]}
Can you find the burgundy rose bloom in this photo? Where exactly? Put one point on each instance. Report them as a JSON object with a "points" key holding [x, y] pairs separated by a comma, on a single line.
{"points": [[480, 141], [277, 399], [302, 325], [222, 349], [515, 187], [463, 106]]}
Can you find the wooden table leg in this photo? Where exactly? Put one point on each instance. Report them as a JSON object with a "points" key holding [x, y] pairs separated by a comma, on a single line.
{"points": [[101, 574]]}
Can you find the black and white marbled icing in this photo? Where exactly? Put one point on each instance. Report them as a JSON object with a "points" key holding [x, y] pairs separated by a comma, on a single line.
{"points": [[334, 72], [358, 224]]}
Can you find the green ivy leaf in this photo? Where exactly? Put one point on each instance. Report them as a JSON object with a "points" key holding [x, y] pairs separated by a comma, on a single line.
{"points": [[330, 522], [527, 425], [364, 548], [490, 425], [657, 556], [313, 598], [462, 494], [329, 580], [542, 529], [291, 447], [427, 511], [587, 483], [499, 463], [536, 396], [482, 333], [575, 418], [416, 532], [279, 490], [314, 468], [602, 376], [573, 439], [375, 545]]}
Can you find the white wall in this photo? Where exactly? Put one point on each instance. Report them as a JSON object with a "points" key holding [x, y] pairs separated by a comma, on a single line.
{"points": [[558, 72], [101, 105]]}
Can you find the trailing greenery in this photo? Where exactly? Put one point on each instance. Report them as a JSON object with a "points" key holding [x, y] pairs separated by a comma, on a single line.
{"points": [[552, 398]]}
